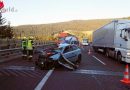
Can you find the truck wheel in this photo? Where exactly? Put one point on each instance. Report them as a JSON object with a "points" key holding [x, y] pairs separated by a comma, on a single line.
{"points": [[107, 53], [95, 49], [119, 57]]}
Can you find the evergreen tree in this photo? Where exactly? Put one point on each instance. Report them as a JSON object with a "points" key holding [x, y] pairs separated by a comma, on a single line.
{"points": [[5, 30]]}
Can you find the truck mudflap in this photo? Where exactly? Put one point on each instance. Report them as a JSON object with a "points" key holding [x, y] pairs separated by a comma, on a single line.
{"points": [[66, 63]]}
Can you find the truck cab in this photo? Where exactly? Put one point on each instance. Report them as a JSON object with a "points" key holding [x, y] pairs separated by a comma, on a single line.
{"points": [[113, 40]]}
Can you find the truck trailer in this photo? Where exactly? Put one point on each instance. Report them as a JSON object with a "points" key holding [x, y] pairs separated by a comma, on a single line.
{"points": [[113, 39]]}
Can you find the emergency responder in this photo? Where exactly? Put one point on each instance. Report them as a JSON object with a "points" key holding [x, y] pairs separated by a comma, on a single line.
{"points": [[24, 47], [30, 47]]}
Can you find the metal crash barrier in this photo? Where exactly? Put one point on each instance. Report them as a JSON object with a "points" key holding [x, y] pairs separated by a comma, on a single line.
{"points": [[7, 53], [15, 52]]}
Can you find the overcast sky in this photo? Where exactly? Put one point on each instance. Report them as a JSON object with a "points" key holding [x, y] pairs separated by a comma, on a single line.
{"points": [[50, 11]]}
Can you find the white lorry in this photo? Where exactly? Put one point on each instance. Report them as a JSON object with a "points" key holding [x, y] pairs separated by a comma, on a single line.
{"points": [[113, 40]]}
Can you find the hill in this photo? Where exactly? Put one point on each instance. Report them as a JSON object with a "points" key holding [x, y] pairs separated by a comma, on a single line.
{"points": [[77, 27]]}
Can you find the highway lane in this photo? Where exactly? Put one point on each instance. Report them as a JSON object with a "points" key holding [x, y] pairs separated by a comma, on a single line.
{"points": [[96, 72], [19, 74], [91, 75]]}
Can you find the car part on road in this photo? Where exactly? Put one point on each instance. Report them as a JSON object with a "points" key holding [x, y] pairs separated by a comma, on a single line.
{"points": [[66, 63]]}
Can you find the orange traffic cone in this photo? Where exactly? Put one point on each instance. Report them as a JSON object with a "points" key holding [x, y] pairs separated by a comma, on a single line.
{"points": [[126, 75], [89, 52]]}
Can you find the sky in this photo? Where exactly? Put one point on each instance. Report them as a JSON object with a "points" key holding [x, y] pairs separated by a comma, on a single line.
{"points": [[52, 11]]}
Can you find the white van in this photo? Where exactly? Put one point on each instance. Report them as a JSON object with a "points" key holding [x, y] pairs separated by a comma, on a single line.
{"points": [[85, 42]]}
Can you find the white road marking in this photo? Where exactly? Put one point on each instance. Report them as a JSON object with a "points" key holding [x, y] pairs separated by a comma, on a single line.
{"points": [[43, 81], [99, 60], [98, 72]]}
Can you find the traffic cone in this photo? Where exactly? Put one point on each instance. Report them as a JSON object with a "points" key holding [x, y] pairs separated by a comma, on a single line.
{"points": [[126, 75], [89, 52]]}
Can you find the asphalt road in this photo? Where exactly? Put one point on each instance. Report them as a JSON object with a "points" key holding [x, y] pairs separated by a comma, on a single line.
{"points": [[96, 72]]}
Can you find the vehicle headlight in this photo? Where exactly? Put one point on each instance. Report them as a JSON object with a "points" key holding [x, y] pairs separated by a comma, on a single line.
{"points": [[128, 54]]}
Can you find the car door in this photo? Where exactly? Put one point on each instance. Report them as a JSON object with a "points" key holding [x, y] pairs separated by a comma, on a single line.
{"points": [[75, 52], [68, 53]]}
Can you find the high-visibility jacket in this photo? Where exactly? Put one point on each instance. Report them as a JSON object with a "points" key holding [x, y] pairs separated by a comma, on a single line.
{"points": [[30, 45], [24, 44]]}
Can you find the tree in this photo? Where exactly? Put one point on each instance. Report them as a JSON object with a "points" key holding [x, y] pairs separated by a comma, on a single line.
{"points": [[5, 30], [2, 20]]}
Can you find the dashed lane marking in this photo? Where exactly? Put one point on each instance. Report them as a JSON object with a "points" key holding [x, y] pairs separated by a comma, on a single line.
{"points": [[43, 81], [96, 72], [99, 60]]}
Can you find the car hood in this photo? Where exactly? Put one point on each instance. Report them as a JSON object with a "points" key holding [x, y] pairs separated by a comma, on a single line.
{"points": [[55, 57]]}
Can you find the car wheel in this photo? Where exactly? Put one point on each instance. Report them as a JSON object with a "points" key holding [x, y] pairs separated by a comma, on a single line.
{"points": [[42, 65], [52, 64]]}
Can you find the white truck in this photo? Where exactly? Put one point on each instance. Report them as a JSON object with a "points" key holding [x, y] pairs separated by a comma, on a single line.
{"points": [[113, 40]]}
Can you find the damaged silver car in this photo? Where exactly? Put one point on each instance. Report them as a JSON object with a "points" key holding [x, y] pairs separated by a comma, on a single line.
{"points": [[66, 55]]}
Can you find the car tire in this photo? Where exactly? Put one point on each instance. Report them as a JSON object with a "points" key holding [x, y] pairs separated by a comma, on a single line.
{"points": [[52, 65]]}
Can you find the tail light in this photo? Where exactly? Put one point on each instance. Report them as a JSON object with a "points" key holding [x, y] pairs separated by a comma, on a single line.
{"points": [[49, 53]]}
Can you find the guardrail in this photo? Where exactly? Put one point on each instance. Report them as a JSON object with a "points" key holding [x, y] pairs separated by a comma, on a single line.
{"points": [[12, 43], [7, 53]]}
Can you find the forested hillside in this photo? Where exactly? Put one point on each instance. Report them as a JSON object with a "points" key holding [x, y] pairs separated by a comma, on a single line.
{"points": [[45, 31]]}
